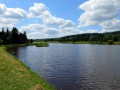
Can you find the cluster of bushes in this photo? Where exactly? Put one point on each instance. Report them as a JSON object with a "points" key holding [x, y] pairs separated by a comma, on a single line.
{"points": [[42, 45], [13, 37], [110, 42]]}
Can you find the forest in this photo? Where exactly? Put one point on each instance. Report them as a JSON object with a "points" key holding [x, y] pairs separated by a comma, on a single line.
{"points": [[15, 37], [12, 37], [90, 37]]}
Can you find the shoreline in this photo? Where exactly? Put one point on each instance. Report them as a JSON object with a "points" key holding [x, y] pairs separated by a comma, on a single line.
{"points": [[15, 75], [70, 42], [40, 44]]}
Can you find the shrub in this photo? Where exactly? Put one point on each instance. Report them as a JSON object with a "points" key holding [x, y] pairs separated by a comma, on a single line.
{"points": [[110, 42], [1, 41], [42, 45]]}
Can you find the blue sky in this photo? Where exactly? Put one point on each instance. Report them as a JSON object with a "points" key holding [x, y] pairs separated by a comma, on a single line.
{"points": [[56, 18], [61, 8], [67, 9]]}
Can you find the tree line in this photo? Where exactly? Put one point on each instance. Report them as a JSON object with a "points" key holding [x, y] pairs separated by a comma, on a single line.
{"points": [[91, 37], [12, 37]]}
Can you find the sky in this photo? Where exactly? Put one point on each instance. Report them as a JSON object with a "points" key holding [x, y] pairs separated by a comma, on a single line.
{"points": [[56, 18]]}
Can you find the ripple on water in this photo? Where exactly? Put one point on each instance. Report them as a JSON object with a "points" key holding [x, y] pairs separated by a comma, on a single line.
{"points": [[75, 67]]}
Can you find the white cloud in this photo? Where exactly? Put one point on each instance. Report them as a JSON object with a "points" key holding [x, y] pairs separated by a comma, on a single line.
{"points": [[51, 25], [36, 31], [99, 12], [7, 22], [33, 27], [9, 17], [112, 25], [2, 9], [39, 10], [14, 13]]}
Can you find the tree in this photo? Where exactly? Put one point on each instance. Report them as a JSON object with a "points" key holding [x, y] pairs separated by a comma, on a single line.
{"points": [[1, 41], [3, 34], [110, 42], [15, 36], [31, 40], [93, 38], [8, 37], [25, 37]]}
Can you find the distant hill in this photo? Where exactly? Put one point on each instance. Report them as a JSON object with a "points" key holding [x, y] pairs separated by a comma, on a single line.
{"points": [[91, 37]]}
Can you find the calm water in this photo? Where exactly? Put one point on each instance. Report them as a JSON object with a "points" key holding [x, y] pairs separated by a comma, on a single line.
{"points": [[74, 66]]}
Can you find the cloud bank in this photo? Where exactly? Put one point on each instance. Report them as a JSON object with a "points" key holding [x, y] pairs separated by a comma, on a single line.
{"points": [[10, 16], [39, 10], [100, 12], [104, 13]]}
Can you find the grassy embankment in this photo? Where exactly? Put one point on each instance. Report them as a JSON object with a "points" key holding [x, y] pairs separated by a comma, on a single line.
{"points": [[14, 75], [37, 44]]}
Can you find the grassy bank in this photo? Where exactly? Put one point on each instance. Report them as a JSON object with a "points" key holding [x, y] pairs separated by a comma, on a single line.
{"points": [[38, 44], [14, 75]]}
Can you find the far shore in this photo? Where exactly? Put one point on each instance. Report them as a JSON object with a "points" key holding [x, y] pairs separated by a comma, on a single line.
{"points": [[85, 42]]}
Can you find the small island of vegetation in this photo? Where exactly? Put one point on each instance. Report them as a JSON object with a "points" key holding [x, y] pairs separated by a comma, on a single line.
{"points": [[42, 45]]}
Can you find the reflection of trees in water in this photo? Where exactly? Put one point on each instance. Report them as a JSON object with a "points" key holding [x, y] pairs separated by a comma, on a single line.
{"points": [[13, 50]]}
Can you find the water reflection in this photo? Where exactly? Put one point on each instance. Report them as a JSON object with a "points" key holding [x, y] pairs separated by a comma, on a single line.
{"points": [[13, 50], [75, 67]]}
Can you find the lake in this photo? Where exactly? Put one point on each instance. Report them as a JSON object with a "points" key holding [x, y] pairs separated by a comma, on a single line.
{"points": [[75, 66]]}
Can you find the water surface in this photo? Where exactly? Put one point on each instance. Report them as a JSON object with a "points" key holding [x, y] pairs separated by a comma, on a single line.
{"points": [[75, 66]]}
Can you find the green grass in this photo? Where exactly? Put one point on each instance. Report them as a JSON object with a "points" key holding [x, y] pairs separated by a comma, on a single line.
{"points": [[38, 44], [78, 42], [116, 43], [85, 42], [14, 75], [42, 45]]}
